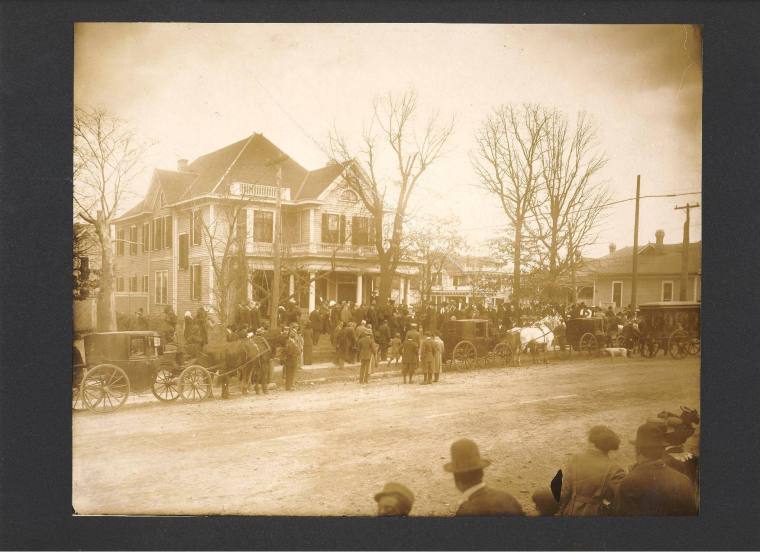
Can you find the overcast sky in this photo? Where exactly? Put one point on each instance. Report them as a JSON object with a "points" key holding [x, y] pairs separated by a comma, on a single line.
{"points": [[193, 88]]}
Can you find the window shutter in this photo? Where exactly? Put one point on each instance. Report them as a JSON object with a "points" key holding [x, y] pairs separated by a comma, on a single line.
{"points": [[325, 227], [168, 232], [184, 251], [342, 229]]}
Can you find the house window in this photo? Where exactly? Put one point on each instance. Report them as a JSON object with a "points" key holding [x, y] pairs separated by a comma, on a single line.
{"points": [[437, 279], [158, 234], [167, 232], [195, 282], [145, 283], [162, 287], [617, 294], [120, 242], [460, 281], [120, 284], [360, 230], [333, 228], [146, 237], [197, 226], [263, 226], [667, 291], [133, 240], [133, 284], [184, 251], [349, 196]]}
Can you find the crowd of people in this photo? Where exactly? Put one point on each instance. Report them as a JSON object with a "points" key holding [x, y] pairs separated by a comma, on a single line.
{"points": [[591, 483]]}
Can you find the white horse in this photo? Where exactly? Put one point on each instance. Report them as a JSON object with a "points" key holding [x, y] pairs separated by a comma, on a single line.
{"points": [[537, 334]]}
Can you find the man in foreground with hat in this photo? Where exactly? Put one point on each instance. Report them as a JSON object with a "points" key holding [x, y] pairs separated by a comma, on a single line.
{"points": [[394, 500], [652, 488], [477, 499]]}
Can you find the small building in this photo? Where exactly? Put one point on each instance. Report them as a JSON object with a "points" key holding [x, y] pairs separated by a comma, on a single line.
{"points": [[607, 280], [169, 246], [469, 278]]}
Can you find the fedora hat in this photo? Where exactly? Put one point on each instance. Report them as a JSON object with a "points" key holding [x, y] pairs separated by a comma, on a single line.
{"points": [[650, 434], [465, 457], [399, 490]]}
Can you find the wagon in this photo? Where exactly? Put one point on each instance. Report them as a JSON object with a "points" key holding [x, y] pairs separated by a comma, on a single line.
{"points": [[466, 341], [670, 326], [119, 363], [586, 334]]}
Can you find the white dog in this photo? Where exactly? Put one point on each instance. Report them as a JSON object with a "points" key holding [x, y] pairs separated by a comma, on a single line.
{"points": [[615, 351]]}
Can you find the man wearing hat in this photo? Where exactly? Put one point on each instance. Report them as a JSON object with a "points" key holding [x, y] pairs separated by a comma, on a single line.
{"points": [[652, 488], [394, 500], [477, 499]]}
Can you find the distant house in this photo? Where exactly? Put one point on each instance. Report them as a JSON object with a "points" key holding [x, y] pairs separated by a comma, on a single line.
{"points": [[163, 256], [607, 280], [468, 278]]}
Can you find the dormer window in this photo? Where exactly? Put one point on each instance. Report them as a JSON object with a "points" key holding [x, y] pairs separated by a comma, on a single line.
{"points": [[349, 196], [161, 200]]}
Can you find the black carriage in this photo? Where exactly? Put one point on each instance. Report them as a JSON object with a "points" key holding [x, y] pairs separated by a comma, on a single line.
{"points": [[670, 326], [586, 334], [470, 340], [119, 363]]}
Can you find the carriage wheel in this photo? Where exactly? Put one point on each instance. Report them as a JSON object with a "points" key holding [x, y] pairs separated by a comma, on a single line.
{"points": [[464, 354], [105, 388], [195, 383], [76, 399], [694, 347], [678, 344], [165, 387], [588, 343], [503, 353]]}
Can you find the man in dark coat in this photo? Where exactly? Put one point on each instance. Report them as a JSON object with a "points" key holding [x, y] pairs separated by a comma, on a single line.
{"points": [[652, 488], [477, 499], [254, 316], [383, 338], [315, 319], [201, 321], [291, 356]]}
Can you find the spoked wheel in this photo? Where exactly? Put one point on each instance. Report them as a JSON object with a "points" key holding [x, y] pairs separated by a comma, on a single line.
{"points": [[105, 388], [195, 383], [694, 347], [588, 343], [503, 354], [678, 344], [76, 399], [165, 387], [464, 355]]}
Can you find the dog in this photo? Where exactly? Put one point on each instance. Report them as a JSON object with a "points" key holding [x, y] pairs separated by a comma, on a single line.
{"points": [[615, 351]]}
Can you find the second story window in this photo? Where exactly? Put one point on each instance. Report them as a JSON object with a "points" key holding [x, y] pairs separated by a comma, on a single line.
{"points": [[120, 242], [146, 237], [263, 226], [133, 240], [333, 228], [437, 279], [360, 231], [158, 234], [167, 232], [197, 227]]}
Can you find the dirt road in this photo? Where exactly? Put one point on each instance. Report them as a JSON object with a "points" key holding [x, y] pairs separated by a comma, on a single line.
{"points": [[325, 450]]}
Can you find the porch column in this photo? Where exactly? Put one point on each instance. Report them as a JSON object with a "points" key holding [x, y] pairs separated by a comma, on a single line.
{"points": [[359, 291], [312, 291], [406, 291], [291, 285]]}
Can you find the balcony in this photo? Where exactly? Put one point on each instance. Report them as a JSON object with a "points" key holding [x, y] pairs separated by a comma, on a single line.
{"points": [[257, 191], [314, 249]]}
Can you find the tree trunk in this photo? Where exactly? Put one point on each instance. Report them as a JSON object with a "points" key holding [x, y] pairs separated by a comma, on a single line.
{"points": [[518, 254], [386, 281], [106, 301]]}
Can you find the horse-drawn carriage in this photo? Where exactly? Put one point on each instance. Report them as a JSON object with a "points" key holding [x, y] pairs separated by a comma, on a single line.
{"points": [[671, 326], [119, 363], [470, 340], [586, 334]]}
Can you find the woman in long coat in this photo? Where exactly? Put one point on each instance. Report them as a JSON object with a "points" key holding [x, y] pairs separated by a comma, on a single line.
{"points": [[590, 479], [438, 356]]}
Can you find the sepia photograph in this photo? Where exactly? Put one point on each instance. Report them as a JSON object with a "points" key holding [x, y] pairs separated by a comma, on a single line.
{"points": [[386, 269]]}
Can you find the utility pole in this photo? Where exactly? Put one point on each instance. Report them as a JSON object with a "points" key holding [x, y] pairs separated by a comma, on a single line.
{"points": [[635, 271], [683, 288], [274, 301]]}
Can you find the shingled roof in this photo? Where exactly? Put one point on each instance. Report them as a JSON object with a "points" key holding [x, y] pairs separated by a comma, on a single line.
{"points": [[252, 159], [650, 261]]}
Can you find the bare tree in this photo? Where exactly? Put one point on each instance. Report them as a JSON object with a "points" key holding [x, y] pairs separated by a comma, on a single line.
{"points": [[569, 203], [507, 161], [433, 241], [391, 130], [107, 159]]}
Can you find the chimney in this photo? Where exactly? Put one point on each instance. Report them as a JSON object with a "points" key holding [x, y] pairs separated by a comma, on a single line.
{"points": [[659, 247], [613, 248], [182, 165]]}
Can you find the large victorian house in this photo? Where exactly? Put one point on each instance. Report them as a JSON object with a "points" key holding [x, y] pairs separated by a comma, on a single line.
{"points": [[197, 221]]}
